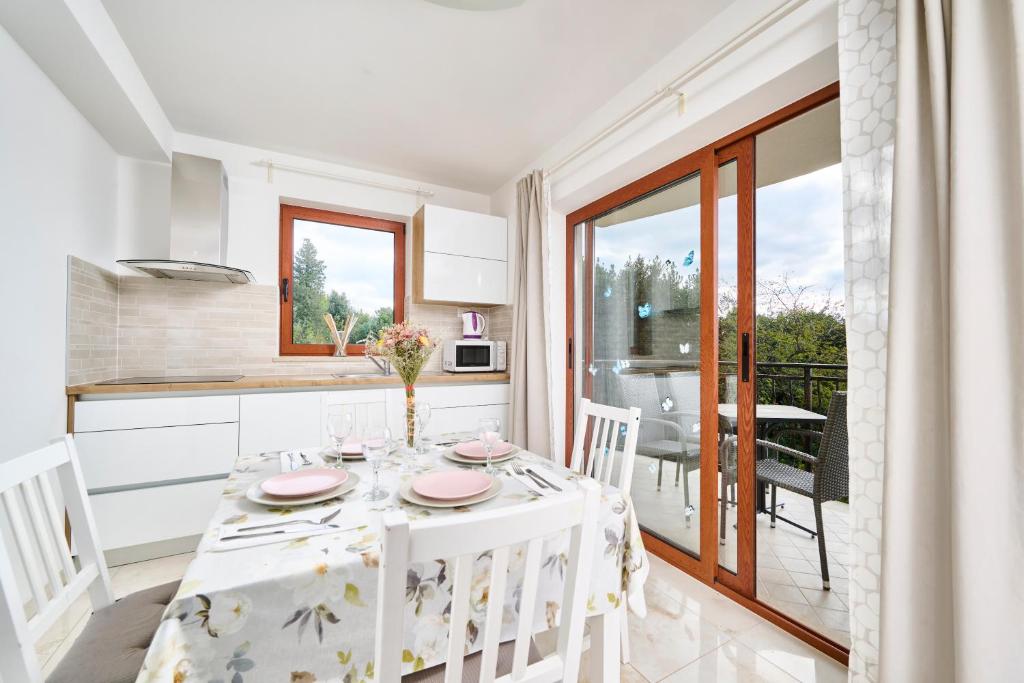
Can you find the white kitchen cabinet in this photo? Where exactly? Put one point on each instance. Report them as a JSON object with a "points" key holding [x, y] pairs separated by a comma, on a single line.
{"points": [[459, 257], [130, 457], [461, 279], [464, 233], [279, 422], [367, 406], [148, 515], [454, 408], [135, 413]]}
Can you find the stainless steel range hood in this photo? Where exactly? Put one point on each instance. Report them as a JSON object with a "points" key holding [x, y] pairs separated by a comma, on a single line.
{"points": [[198, 225]]}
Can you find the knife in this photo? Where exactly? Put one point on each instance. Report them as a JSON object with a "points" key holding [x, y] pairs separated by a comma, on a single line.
{"points": [[542, 479], [287, 531]]}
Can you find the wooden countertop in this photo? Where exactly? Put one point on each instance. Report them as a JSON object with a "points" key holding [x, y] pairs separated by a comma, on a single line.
{"points": [[291, 381]]}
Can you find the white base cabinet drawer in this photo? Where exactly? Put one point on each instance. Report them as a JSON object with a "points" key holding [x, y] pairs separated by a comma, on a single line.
{"points": [[135, 413], [161, 513], [279, 422], [465, 419], [137, 456]]}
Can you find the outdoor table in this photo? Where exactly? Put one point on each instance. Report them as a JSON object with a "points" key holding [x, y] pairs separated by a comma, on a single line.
{"points": [[769, 415], [305, 609]]}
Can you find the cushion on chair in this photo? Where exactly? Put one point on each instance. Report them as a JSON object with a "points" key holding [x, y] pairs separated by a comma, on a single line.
{"points": [[471, 665], [113, 645], [785, 476]]}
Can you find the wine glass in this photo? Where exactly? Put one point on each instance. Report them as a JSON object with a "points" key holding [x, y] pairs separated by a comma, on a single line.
{"points": [[375, 449], [489, 433], [339, 426], [422, 419]]}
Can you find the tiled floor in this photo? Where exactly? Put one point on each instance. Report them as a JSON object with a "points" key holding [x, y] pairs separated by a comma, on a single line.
{"points": [[788, 567], [691, 632]]}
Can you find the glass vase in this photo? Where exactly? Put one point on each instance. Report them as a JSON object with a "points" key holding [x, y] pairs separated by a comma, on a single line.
{"points": [[410, 416]]}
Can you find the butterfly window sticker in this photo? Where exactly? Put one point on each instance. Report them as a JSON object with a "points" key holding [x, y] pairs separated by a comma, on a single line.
{"points": [[644, 311], [667, 404], [688, 261], [607, 292], [684, 348], [619, 366]]}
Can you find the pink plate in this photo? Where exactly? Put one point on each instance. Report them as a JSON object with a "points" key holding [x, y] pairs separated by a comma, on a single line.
{"points": [[452, 484], [304, 482], [352, 446], [475, 449]]}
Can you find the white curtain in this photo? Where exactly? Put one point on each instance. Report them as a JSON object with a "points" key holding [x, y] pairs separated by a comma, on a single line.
{"points": [[530, 375], [952, 579]]}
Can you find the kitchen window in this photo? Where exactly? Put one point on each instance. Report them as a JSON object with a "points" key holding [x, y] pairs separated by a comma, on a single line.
{"points": [[338, 263]]}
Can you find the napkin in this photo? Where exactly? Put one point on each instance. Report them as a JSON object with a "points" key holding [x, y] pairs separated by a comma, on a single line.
{"points": [[529, 483], [345, 523]]}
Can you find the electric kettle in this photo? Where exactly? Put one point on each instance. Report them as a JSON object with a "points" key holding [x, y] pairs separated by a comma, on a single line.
{"points": [[473, 325]]}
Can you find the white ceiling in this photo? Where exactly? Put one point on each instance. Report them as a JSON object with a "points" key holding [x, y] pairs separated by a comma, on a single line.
{"points": [[454, 97]]}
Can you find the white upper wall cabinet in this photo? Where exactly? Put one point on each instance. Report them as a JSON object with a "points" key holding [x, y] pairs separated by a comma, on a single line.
{"points": [[459, 257]]}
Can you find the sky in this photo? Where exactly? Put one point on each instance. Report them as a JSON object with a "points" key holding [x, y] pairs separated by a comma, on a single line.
{"points": [[360, 262], [799, 235]]}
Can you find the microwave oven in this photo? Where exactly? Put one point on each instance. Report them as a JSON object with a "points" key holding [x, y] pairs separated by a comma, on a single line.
{"points": [[474, 355]]}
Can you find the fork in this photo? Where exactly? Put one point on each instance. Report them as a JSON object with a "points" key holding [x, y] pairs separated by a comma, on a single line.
{"points": [[518, 469], [323, 521], [305, 460]]}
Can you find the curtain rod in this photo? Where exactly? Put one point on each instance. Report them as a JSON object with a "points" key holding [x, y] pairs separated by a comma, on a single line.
{"points": [[270, 165], [675, 85]]}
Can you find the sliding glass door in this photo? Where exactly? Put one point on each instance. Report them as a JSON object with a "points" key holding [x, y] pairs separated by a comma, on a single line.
{"points": [[709, 295]]}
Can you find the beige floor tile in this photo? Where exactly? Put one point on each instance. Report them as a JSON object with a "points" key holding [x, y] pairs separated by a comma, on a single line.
{"points": [[731, 663], [141, 575], [793, 656], [669, 638]]}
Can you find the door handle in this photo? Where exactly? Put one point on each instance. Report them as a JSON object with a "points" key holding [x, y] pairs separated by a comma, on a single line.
{"points": [[284, 290], [745, 357]]}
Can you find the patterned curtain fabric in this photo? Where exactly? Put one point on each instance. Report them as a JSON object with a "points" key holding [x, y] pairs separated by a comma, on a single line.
{"points": [[867, 61], [530, 376], [952, 602]]}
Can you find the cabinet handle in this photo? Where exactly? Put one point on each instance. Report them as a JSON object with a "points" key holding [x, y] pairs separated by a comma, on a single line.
{"points": [[745, 357]]}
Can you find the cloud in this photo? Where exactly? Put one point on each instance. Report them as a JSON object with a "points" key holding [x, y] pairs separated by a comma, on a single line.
{"points": [[799, 235]]}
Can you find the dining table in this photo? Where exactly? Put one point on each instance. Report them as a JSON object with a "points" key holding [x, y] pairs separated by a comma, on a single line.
{"points": [[303, 607]]}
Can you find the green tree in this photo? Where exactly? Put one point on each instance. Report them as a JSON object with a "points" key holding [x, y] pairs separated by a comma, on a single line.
{"points": [[309, 275]]}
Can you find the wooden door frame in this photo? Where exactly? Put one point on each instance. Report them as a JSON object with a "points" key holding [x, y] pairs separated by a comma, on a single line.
{"points": [[742, 589]]}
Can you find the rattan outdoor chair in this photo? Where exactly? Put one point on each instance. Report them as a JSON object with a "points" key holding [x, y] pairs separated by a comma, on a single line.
{"points": [[827, 479]]}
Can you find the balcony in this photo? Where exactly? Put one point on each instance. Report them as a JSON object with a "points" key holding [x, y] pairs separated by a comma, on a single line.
{"points": [[787, 558]]}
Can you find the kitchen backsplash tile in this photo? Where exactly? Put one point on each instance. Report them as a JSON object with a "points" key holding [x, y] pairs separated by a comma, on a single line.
{"points": [[91, 323], [149, 326]]}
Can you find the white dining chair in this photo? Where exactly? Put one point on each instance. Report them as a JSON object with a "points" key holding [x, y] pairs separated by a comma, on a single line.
{"points": [[115, 639], [609, 423], [460, 541]]}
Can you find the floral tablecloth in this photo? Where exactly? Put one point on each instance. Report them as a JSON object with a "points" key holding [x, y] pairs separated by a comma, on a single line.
{"points": [[304, 610]]}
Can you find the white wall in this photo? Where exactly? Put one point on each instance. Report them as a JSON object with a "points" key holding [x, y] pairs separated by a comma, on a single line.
{"points": [[793, 58], [58, 189]]}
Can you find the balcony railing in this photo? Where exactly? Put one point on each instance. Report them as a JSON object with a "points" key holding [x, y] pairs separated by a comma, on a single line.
{"points": [[807, 385]]}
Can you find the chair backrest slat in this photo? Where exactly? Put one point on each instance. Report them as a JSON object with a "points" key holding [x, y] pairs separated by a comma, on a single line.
{"points": [[56, 527], [36, 524], [497, 533], [44, 539], [27, 550], [605, 424], [527, 605], [461, 581]]}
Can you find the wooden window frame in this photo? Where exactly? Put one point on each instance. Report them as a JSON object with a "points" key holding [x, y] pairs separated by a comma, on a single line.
{"points": [[289, 214]]}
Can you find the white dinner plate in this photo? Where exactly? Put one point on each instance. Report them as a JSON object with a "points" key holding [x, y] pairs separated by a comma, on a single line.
{"points": [[455, 457], [331, 455], [256, 494], [405, 490]]}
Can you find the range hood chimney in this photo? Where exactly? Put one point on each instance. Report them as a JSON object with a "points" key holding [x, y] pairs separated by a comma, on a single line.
{"points": [[198, 226]]}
